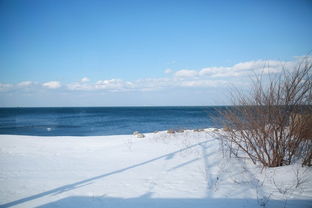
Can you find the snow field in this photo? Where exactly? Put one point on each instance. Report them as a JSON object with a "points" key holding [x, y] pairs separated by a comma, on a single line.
{"points": [[161, 170]]}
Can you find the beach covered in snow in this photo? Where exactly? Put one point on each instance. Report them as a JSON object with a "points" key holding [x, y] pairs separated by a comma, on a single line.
{"points": [[175, 169]]}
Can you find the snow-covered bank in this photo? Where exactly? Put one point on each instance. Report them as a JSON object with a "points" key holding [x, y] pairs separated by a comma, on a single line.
{"points": [[161, 170]]}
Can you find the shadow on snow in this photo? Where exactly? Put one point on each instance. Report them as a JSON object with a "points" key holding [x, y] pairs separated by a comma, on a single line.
{"points": [[85, 182]]}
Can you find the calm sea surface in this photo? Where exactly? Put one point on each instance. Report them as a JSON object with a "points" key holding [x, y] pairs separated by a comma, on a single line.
{"points": [[90, 121]]}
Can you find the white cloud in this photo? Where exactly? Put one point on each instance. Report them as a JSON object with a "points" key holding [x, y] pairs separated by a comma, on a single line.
{"points": [[203, 83], [168, 71], [80, 86], [5, 87], [186, 73], [113, 84], [52, 85], [270, 66], [85, 79], [25, 84], [109, 85], [246, 68], [220, 76], [212, 71]]}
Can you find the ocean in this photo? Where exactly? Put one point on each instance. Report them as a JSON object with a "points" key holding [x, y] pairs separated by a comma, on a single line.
{"points": [[96, 121]]}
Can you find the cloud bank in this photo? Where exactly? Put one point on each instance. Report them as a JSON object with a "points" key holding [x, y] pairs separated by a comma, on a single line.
{"points": [[208, 77], [237, 70]]}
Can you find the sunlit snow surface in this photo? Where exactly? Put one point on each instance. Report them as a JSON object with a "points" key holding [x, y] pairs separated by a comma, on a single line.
{"points": [[161, 170]]}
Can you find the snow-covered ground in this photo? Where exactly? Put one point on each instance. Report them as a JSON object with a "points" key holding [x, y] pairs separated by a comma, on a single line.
{"points": [[161, 170]]}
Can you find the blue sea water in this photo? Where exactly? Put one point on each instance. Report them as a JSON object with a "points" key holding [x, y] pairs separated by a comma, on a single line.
{"points": [[91, 121]]}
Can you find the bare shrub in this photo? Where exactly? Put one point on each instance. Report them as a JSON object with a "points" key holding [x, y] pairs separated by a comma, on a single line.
{"points": [[272, 124]]}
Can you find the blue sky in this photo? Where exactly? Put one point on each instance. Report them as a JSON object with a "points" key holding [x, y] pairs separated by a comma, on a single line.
{"points": [[108, 53]]}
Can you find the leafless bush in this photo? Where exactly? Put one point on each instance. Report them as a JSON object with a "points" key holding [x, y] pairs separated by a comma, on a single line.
{"points": [[272, 124]]}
